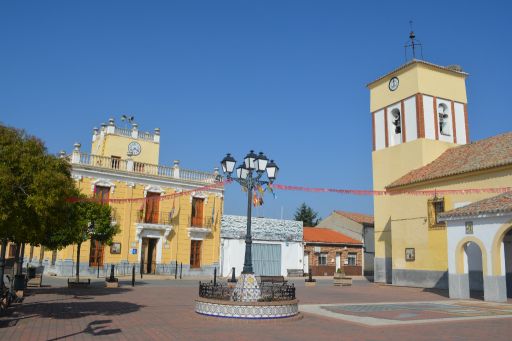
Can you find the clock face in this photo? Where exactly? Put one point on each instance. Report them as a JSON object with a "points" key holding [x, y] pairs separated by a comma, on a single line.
{"points": [[393, 83], [134, 148]]}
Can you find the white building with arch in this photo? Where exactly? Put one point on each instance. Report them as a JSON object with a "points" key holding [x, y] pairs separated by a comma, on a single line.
{"points": [[480, 248]]}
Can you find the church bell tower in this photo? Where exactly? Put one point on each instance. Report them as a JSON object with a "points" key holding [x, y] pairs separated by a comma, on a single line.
{"points": [[418, 111]]}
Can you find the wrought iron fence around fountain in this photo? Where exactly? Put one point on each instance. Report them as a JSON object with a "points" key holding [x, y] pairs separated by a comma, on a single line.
{"points": [[269, 291]]}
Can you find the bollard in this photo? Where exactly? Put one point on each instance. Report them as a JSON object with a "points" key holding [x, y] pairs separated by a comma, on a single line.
{"points": [[310, 275], [181, 269], [98, 276], [215, 277], [176, 270], [133, 276], [233, 278], [112, 279]]}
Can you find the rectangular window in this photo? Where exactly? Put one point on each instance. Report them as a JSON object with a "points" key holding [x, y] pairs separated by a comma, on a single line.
{"points": [[195, 253], [435, 207], [352, 258], [322, 258]]}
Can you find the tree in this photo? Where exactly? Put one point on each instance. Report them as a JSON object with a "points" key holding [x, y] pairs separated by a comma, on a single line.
{"points": [[90, 220], [306, 214], [34, 191]]}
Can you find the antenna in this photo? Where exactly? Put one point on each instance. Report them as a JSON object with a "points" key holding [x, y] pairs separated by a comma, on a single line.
{"points": [[413, 43]]}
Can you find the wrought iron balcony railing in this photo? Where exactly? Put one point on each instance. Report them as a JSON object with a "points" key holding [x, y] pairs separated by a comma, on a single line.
{"points": [[156, 217], [206, 222]]}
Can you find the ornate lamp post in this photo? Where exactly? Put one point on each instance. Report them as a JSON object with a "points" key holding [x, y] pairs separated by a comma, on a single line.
{"points": [[249, 175]]}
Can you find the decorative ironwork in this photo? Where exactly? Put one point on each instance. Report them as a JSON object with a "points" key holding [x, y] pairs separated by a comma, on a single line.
{"points": [[269, 291]]}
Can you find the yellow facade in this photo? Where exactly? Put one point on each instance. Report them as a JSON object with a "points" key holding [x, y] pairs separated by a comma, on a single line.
{"points": [[404, 221], [170, 225], [418, 77]]}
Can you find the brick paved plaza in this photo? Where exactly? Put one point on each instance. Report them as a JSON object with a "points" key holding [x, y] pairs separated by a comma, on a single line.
{"points": [[164, 310]]}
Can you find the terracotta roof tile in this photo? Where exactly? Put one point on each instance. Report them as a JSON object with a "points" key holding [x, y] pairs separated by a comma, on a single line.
{"points": [[357, 217], [325, 235], [499, 204], [492, 152]]}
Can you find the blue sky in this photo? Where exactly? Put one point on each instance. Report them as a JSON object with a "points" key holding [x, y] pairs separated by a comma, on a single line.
{"points": [[284, 77]]}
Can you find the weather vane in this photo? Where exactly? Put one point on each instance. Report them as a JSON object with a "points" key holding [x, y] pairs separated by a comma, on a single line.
{"points": [[128, 119], [413, 43]]}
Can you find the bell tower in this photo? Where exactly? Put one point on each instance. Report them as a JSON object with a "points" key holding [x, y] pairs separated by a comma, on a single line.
{"points": [[418, 111]]}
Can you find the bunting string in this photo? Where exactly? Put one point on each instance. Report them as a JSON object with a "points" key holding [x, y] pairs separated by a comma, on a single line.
{"points": [[258, 195]]}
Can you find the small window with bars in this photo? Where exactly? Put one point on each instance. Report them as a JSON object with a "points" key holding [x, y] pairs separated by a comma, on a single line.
{"points": [[436, 206]]}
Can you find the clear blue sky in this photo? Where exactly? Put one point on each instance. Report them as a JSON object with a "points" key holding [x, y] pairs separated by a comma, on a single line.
{"points": [[284, 77]]}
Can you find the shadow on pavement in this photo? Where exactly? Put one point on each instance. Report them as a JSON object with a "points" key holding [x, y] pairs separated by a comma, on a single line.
{"points": [[440, 292], [94, 328]]}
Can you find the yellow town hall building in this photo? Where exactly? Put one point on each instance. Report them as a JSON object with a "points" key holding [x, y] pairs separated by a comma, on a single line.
{"points": [[157, 229], [421, 143]]}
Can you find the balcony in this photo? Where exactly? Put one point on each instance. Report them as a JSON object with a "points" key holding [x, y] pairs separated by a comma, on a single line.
{"points": [[155, 220], [199, 228], [130, 166]]}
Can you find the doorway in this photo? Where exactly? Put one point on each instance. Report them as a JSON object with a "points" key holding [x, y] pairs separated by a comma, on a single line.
{"points": [[148, 255], [306, 262], [507, 246], [473, 255], [338, 261], [152, 208]]}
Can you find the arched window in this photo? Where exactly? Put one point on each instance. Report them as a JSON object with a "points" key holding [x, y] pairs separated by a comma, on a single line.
{"points": [[396, 119], [444, 119]]}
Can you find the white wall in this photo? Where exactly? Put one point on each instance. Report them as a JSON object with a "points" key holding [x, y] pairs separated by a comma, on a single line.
{"points": [[233, 253], [428, 115], [484, 229], [380, 134], [411, 127], [460, 123]]}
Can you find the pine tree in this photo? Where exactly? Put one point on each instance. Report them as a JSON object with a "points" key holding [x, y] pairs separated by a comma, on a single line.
{"points": [[306, 214]]}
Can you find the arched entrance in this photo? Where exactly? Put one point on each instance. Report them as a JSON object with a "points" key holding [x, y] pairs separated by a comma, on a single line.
{"points": [[507, 248], [469, 269], [474, 269]]}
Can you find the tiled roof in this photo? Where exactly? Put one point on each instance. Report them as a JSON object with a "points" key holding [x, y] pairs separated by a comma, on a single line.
{"points": [[357, 217], [418, 61], [499, 204], [492, 152], [324, 235]]}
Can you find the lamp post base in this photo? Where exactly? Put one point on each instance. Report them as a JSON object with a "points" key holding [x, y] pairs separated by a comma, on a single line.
{"points": [[247, 289]]}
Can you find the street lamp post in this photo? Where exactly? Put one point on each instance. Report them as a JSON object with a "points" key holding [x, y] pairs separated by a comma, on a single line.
{"points": [[249, 175]]}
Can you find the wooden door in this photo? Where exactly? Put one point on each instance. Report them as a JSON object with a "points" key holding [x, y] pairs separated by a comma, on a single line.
{"points": [[195, 253], [144, 255], [152, 255], [102, 194], [197, 212], [152, 207], [96, 253]]}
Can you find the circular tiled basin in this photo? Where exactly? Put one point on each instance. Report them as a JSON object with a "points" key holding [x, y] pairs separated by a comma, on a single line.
{"points": [[247, 310]]}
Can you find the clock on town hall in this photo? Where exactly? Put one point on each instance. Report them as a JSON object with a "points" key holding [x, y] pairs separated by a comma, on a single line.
{"points": [[393, 83], [134, 148]]}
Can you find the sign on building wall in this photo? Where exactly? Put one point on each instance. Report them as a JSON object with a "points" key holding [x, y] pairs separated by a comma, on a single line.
{"points": [[469, 227]]}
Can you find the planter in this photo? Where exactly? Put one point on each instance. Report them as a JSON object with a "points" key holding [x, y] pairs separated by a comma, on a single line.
{"points": [[112, 284], [343, 281], [31, 273], [19, 282]]}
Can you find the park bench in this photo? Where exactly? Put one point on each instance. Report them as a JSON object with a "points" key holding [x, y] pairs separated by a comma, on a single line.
{"points": [[272, 279]]}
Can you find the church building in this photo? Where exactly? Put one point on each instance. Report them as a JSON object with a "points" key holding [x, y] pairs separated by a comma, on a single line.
{"points": [[169, 216], [421, 144]]}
